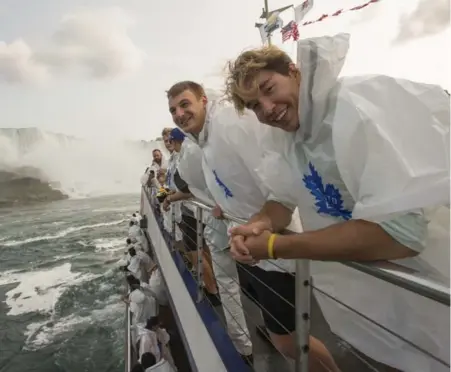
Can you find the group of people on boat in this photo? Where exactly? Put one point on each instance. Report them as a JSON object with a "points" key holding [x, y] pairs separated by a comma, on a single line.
{"points": [[357, 167], [146, 294]]}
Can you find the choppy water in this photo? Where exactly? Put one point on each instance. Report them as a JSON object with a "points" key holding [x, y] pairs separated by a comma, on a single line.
{"points": [[60, 307]]}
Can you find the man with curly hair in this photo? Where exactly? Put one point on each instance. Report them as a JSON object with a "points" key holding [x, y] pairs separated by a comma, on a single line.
{"points": [[341, 165]]}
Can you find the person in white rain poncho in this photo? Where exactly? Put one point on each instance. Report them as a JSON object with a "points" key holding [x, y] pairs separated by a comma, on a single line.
{"points": [[230, 153], [172, 167], [188, 224], [143, 306], [134, 231], [215, 235], [366, 159], [158, 162]]}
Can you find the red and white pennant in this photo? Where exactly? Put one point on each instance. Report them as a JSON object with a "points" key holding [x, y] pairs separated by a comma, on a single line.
{"points": [[339, 12]]}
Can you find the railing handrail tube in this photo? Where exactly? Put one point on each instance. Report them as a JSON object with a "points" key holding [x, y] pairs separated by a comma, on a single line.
{"points": [[420, 286], [128, 344]]}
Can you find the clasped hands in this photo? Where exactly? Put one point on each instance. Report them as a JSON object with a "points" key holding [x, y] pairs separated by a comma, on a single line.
{"points": [[249, 242]]}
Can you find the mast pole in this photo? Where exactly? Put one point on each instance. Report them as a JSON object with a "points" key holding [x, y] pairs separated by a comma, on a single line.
{"points": [[266, 17]]}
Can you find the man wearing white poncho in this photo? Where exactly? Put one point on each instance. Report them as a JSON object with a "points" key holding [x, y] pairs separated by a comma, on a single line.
{"points": [[215, 235], [230, 152], [362, 157]]}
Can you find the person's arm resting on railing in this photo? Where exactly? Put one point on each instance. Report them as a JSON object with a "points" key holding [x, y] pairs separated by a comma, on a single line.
{"points": [[183, 192], [355, 240]]}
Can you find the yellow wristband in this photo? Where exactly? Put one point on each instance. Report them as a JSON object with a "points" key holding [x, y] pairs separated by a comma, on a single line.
{"points": [[271, 240]]}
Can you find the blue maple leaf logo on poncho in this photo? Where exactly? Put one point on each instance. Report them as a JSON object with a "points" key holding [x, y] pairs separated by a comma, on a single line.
{"points": [[328, 199], [227, 192]]}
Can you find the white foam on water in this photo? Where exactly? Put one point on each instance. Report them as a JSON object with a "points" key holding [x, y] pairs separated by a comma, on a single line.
{"points": [[61, 234], [103, 244], [38, 291], [116, 209], [40, 334]]}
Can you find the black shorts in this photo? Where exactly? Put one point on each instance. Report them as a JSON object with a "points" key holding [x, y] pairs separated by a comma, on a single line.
{"points": [[189, 227], [276, 302]]}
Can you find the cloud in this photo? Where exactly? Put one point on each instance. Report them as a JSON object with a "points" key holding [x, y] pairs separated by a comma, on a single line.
{"points": [[93, 41], [18, 65], [430, 17]]}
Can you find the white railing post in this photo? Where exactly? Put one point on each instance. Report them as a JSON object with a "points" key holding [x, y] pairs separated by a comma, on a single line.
{"points": [[303, 292], [173, 227], [200, 250]]}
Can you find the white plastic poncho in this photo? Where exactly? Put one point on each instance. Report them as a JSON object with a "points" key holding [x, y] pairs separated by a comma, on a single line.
{"points": [[143, 307], [148, 343], [374, 148], [231, 152], [217, 240], [190, 170], [156, 285], [172, 167], [162, 366]]}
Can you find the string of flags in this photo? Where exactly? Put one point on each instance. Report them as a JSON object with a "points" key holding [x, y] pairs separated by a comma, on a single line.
{"points": [[339, 12], [291, 30]]}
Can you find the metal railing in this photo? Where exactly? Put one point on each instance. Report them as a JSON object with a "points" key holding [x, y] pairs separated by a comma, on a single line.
{"points": [[391, 273], [128, 343], [424, 287], [387, 272]]}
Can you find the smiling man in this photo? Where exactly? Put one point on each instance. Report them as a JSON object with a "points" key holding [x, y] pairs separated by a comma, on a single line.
{"points": [[362, 156], [231, 152]]}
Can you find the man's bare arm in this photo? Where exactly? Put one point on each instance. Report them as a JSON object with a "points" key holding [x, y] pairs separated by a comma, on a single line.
{"points": [[274, 214], [355, 240], [178, 195]]}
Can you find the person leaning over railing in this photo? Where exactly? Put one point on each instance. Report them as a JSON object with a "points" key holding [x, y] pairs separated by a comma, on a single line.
{"points": [[224, 267], [231, 152], [169, 184], [188, 223], [361, 157]]}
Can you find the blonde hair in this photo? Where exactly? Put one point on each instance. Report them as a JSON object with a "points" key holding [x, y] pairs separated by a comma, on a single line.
{"points": [[241, 85], [166, 132]]}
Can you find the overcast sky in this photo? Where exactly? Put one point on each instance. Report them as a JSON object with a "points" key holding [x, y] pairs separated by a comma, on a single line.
{"points": [[96, 68]]}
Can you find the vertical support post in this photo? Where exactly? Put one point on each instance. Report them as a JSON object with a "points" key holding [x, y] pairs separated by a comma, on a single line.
{"points": [[173, 227], [303, 292], [266, 17], [200, 250]]}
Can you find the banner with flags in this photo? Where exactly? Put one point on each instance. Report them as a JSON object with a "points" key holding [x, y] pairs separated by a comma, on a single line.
{"points": [[290, 31], [301, 10], [340, 11]]}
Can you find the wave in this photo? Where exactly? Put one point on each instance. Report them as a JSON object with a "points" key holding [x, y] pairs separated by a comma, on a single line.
{"points": [[78, 168], [38, 291], [61, 234], [41, 334]]}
